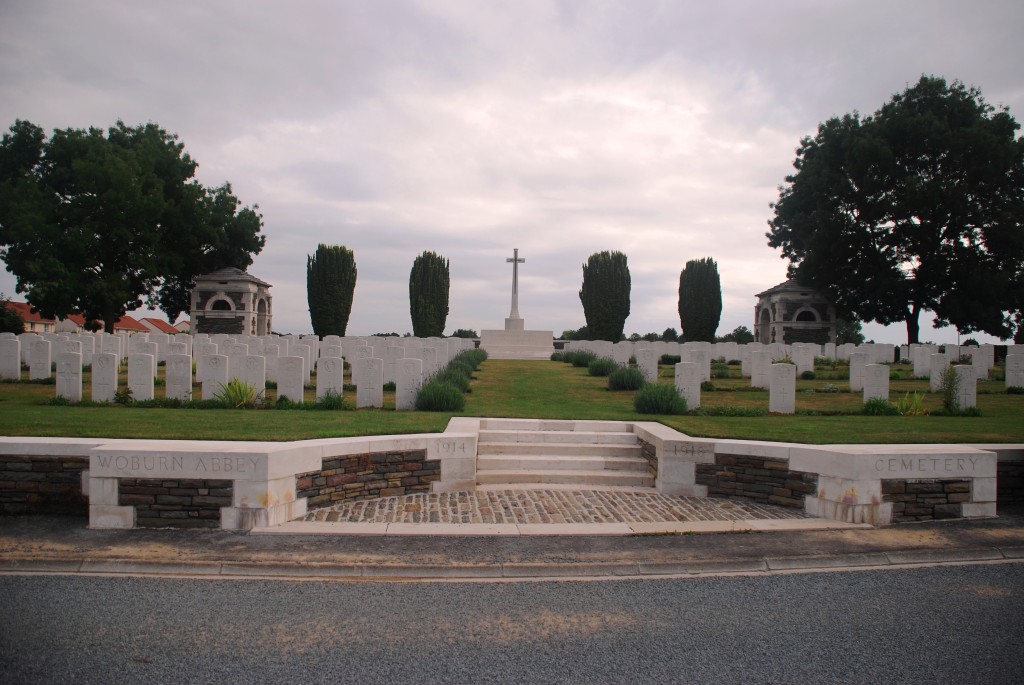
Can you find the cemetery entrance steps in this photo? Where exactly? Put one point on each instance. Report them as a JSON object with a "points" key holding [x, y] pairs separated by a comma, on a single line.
{"points": [[557, 453]]}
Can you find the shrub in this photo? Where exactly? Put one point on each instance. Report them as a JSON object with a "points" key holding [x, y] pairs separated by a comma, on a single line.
{"points": [[719, 370], [950, 389], [1015, 390], [626, 378], [808, 376], [879, 406], [670, 359], [707, 386], [123, 396], [439, 396], [556, 356], [602, 367], [729, 410], [390, 386], [659, 399], [581, 360], [455, 378]]}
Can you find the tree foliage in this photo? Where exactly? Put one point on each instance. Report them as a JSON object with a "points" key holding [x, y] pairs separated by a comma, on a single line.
{"points": [[848, 332], [330, 285], [429, 283], [100, 223], [740, 334], [917, 207], [700, 300], [605, 295], [10, 319]]}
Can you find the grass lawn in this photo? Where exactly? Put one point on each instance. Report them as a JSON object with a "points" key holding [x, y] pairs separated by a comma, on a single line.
{"points": [[531, 389]]}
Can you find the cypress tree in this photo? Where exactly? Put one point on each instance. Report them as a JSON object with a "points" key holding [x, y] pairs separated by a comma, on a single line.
{"points": [[605, 295], [700, 300], [429, 282], [330, 283]]}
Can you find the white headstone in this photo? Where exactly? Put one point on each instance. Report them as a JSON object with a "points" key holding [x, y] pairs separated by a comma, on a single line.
{"points": [[69, 376], [688, 380], [254, 372], [803, 357], [408, 380], [621, 353], [1015, 371], [939, 364], [760, 367], [966, 386], [149, 348], [39, 362], [271, 352], [178, 375], [140, 375], [370, 387], [330, 376], [10, 359], [306, 352], [876, 382], [215, 375], [105, 366], [289, 378], [647, 362], [782, 393], [858, 360]]}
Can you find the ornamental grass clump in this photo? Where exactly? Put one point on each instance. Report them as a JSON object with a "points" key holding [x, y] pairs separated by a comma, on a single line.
{"points": [[626, 378], [602, 367], [238, 394], [659, 399]]}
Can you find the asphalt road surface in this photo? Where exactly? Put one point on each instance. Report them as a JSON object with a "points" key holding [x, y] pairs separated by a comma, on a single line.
{"points": [[927, 625]]}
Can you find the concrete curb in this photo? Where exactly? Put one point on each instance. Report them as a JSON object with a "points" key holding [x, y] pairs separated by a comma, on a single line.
{"points": [[509, 570]]}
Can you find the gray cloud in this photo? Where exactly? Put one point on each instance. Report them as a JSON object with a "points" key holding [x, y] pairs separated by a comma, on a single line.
{"points": [[661, 129]]}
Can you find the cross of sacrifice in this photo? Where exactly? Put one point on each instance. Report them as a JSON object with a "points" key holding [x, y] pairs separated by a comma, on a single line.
{"points": [[516, 261]]}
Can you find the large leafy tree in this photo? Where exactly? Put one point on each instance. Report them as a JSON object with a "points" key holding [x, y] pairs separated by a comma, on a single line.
{"points": [[605, 295], [700, 300], [429, 283], [918, 207], [330, 285], [100, 222]]}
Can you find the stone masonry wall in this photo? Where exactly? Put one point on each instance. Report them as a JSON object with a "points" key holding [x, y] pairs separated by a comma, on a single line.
{"points": [[42, 485], [364, 476], [175, 503], [925, 500], [1010, 483], [650, 453], [760, 479]]}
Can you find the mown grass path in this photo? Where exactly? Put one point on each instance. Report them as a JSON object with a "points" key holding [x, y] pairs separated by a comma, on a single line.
{"points": [[530, 389]]}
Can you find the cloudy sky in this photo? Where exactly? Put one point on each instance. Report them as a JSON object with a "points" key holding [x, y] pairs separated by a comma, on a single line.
{"points": [[473, 127]]}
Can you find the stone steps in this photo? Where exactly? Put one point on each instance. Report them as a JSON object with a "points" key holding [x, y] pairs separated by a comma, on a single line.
{"points": [[566, 477], [561, 453]]}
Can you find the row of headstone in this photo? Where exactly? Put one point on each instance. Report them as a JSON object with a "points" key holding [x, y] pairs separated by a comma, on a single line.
{"points": [[291, 372]]}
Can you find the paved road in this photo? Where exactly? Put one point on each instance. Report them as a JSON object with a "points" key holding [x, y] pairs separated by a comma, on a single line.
{"points": [[953, 624]]}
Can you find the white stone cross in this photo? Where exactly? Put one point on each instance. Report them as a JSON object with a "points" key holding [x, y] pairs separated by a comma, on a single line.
{"points": [[515, 261]]}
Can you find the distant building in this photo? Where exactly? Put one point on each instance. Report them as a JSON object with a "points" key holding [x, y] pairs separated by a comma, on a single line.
{"points": [[76, 323], [34, 321], [231, 301], [155, 325], [791, 313]]}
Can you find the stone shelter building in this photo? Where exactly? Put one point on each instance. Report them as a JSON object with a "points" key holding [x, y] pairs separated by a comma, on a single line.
{"points": [[231, 301], [792, 313]]}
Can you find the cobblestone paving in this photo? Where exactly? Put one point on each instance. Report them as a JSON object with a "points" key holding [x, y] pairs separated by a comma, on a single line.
{"points": [[546, 506]]}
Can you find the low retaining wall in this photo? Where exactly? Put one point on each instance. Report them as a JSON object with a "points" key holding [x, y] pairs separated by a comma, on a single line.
{"points": [[365, 476], [42, 485], [238, 486], [766, 480]]}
